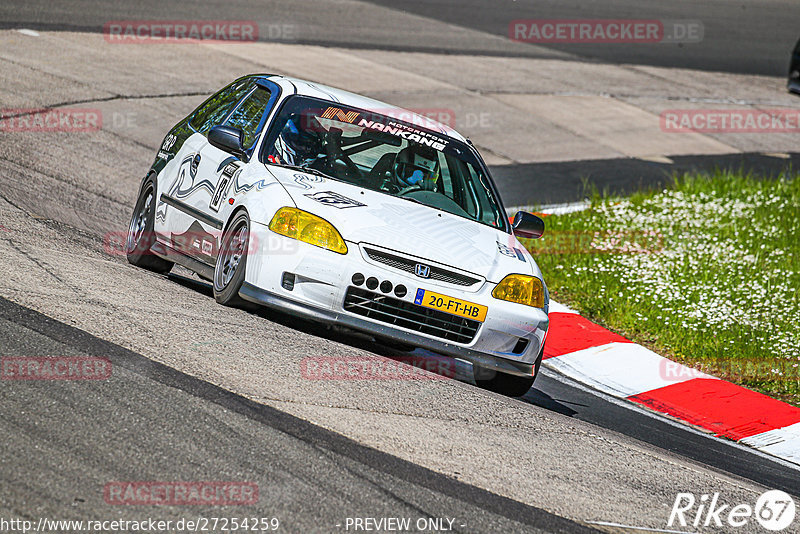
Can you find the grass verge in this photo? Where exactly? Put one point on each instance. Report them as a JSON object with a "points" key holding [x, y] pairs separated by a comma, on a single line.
{"points": [[706, 273]]}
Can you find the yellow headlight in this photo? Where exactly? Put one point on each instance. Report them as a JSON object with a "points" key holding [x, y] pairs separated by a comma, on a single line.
{"points": [[522, 289], [308, 228]]}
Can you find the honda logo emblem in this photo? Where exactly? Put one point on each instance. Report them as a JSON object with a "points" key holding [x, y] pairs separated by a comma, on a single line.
{"points": [[423, 271]]}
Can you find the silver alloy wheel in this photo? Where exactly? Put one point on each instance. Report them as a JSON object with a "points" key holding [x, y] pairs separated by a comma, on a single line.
{"points": [[230, 256], [139, 222]]}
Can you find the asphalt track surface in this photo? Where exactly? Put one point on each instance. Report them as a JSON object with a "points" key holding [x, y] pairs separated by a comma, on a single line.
{"points": [[741, 37], [309, 478], [180, 408]]}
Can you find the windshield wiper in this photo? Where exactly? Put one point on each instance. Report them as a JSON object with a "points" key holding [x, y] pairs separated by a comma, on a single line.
{"points": [[414, 200]]}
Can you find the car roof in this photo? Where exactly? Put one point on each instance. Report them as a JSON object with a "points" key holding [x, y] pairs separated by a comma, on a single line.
{"points": [[313, 89]]}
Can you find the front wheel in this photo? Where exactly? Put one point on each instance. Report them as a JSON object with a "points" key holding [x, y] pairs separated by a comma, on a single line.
{"points": [[232, 261], [141, 235], [506, 384]]}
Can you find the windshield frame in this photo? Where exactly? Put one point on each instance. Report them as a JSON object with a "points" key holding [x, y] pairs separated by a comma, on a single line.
{"points": [[269, 133]]}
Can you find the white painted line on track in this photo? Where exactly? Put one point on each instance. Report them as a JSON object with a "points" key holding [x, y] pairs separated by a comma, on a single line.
{"points": [[551, 209], [656, 159], [644, 529], [557, 307], [783, 442]]}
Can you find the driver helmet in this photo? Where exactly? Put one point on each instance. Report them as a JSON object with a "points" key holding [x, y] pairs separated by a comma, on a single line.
{"points": [[417, 165], [295, 146]]}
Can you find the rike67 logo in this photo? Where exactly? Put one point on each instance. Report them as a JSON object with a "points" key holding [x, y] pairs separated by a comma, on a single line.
{"points": [[774, 510]]}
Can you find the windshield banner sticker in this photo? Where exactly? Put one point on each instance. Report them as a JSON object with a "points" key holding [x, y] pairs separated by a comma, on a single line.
{"points": [[406, 132], [339, 115], [391, 127]]}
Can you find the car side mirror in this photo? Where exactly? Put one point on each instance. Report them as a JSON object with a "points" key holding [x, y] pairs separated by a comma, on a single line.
{"points": [[528, 225], [229, 139]]}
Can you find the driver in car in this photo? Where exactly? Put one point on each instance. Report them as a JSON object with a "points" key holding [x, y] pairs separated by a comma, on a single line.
{"points": [[416, 167], [295, 145]]}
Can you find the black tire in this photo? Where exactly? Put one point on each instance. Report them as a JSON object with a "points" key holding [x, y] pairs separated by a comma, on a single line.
{"points": [[140, 232], [506, 384], [232, 261]]}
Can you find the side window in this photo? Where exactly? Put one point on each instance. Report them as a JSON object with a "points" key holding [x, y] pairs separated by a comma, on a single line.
{"points": [[215, 108], [248, 115]]}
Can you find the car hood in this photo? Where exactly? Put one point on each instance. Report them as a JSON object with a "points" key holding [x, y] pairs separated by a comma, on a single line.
{"points": [[364, 216]]}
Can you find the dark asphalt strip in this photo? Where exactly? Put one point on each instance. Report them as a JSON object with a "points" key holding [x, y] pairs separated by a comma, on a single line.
{"points": [[471, 496], [535, 184], [557, 394], [732, 36], [327, 43]]}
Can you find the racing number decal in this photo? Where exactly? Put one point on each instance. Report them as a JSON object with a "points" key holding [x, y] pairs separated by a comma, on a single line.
{"points": [[225, 180], [221, 187]]}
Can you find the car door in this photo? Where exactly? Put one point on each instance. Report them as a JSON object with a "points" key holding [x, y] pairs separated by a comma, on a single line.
{"points": [[182, 187], [217, 169]]}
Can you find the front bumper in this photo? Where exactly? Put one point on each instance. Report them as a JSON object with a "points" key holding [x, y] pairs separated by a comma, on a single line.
{"points": [[321, 279]]}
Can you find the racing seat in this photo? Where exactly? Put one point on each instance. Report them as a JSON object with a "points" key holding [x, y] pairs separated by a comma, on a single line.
{"points": [[381, 170]]}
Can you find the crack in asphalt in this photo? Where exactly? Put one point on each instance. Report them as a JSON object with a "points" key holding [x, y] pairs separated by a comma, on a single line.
{"points": [[377, 487], [518, 52], [20, 208], [41, 265], [543, 428], [112, 98], [16, 163]]}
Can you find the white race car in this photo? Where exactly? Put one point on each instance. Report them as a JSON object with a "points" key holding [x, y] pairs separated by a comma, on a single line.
{"points": [[342, 209]]}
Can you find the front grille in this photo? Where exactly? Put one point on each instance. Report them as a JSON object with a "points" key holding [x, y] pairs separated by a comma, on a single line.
{"points": [[407, 315], [408, 265]]}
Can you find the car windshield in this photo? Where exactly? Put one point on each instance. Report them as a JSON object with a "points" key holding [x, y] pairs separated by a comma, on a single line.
{"points": [[398, 158]]}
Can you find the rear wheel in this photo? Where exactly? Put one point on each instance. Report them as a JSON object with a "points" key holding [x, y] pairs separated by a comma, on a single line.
{"points": [[507, 384], [141, 235], [232, 261]]}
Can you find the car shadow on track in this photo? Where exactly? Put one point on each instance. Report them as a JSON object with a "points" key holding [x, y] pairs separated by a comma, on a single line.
{"points": [[329, 332], [539, 398], [445, 366]]}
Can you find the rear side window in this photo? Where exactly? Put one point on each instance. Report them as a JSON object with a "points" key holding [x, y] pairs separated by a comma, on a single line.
{"points": [[247, 116], [214, 110]]}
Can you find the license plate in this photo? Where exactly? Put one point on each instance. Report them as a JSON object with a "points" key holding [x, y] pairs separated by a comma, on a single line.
{"points": [[459, 307]]}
